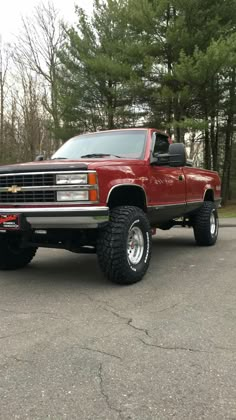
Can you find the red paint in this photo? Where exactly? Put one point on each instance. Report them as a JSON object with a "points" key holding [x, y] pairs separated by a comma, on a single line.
{"points": [[10, 218], [162, 184]]}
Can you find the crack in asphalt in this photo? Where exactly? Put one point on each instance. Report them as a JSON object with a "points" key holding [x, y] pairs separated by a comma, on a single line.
{"points": [[113, 312], [52, 315], [19, 333], [176, 348], [93, 299], [137, 328], [225, 348], [189, 349], [18, 359], [101, 352], [104, 394], [169, 307], [129, 321]]}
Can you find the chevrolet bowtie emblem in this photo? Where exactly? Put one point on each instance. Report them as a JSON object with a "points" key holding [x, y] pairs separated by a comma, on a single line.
{"points": [[14, 189]]}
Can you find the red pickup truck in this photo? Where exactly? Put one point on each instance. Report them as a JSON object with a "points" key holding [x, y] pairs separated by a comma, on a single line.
{"points": [[106, 193]]}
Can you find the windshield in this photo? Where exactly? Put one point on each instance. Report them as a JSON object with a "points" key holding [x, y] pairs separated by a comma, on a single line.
{"points": [[117, 144]]}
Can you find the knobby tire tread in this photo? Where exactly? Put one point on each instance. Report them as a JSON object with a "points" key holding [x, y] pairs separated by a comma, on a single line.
{"points": [[110, 251], [12, 261], [201, 225]]}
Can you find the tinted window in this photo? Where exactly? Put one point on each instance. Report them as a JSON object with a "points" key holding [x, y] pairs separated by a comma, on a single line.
{"points": [[127, 144]]}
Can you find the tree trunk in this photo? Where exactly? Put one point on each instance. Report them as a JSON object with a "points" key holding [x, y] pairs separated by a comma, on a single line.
{"points": [[228, 141], [110, 107], [177, 121], [1, 118], [214, 143], [207, 143], [214, 130], [1, 110], [169, 69], [207, 150]]}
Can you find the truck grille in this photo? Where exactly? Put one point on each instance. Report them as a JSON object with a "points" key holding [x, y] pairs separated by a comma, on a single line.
{"points": [[34, 187], [28, 197], [29, 180]]}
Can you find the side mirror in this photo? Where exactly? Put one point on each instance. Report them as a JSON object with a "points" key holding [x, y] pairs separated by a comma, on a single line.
{"points": [[160, 159], [39, 158], [177, 155]]}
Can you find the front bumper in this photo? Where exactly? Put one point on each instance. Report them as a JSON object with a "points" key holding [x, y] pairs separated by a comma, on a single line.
{"points": [[62, 217]]}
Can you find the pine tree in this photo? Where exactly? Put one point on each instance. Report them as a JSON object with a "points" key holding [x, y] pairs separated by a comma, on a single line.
{"points": [[101, 70]]}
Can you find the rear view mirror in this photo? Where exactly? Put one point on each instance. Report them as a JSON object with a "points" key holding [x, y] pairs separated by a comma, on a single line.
{"points": [[177, 155]]}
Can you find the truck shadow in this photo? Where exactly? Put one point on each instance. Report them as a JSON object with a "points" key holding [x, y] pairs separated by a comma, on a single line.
{"points": [[58, 268], [168, 243]]}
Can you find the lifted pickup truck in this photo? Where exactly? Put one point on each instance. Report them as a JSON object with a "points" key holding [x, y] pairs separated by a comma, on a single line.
{"points": [[106, 193]]}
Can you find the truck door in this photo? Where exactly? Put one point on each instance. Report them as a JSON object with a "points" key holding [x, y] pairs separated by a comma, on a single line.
{"points": [[167, 189]]}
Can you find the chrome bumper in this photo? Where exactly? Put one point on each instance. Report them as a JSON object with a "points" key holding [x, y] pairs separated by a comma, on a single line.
{"points": [[62, 217]]}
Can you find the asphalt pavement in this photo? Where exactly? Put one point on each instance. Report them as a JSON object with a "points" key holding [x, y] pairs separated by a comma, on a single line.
{"points": [[228, 222], [75, 346]]}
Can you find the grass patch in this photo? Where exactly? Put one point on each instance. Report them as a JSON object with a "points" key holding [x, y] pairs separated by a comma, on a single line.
{"points": [[228, 211]]}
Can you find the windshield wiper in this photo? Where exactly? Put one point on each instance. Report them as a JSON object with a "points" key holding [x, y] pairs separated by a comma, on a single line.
{"points": [[59, 158], [98, 155]]}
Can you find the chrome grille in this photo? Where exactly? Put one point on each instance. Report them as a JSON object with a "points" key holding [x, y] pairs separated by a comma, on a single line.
{"points": [[27, 180], [35, 187], [28, 197]]}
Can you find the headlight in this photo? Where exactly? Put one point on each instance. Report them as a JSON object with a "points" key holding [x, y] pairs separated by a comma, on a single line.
{"points": [[73, 179], [72, 195]]}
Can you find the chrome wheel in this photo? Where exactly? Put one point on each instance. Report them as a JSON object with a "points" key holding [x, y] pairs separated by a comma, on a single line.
{"points": [[213, 224], [135, 245]]}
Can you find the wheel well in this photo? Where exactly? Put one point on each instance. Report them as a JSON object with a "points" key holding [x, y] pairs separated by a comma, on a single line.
{"points": [[209, 195], [128, 195]]}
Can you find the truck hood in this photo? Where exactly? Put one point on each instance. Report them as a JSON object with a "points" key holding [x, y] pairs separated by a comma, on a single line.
{"points": [[67, 165]]}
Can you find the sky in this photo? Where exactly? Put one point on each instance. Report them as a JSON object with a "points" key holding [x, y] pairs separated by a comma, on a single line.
{"points": [[11, 12]]}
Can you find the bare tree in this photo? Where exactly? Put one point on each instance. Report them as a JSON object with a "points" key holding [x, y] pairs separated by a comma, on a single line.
{"points": [[4, 63], [1, 96], [37, 48]]}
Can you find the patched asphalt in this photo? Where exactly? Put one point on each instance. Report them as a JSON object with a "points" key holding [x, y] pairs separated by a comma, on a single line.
{"points": [[75, 346]]}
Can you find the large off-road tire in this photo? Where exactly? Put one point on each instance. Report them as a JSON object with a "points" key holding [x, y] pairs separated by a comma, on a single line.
{"points": [[206, 224], [12, 256], [124, 245]]}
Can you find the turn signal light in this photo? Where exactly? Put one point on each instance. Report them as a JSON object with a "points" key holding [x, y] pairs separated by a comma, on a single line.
{"points": [[93, 195], [92, 179]]}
